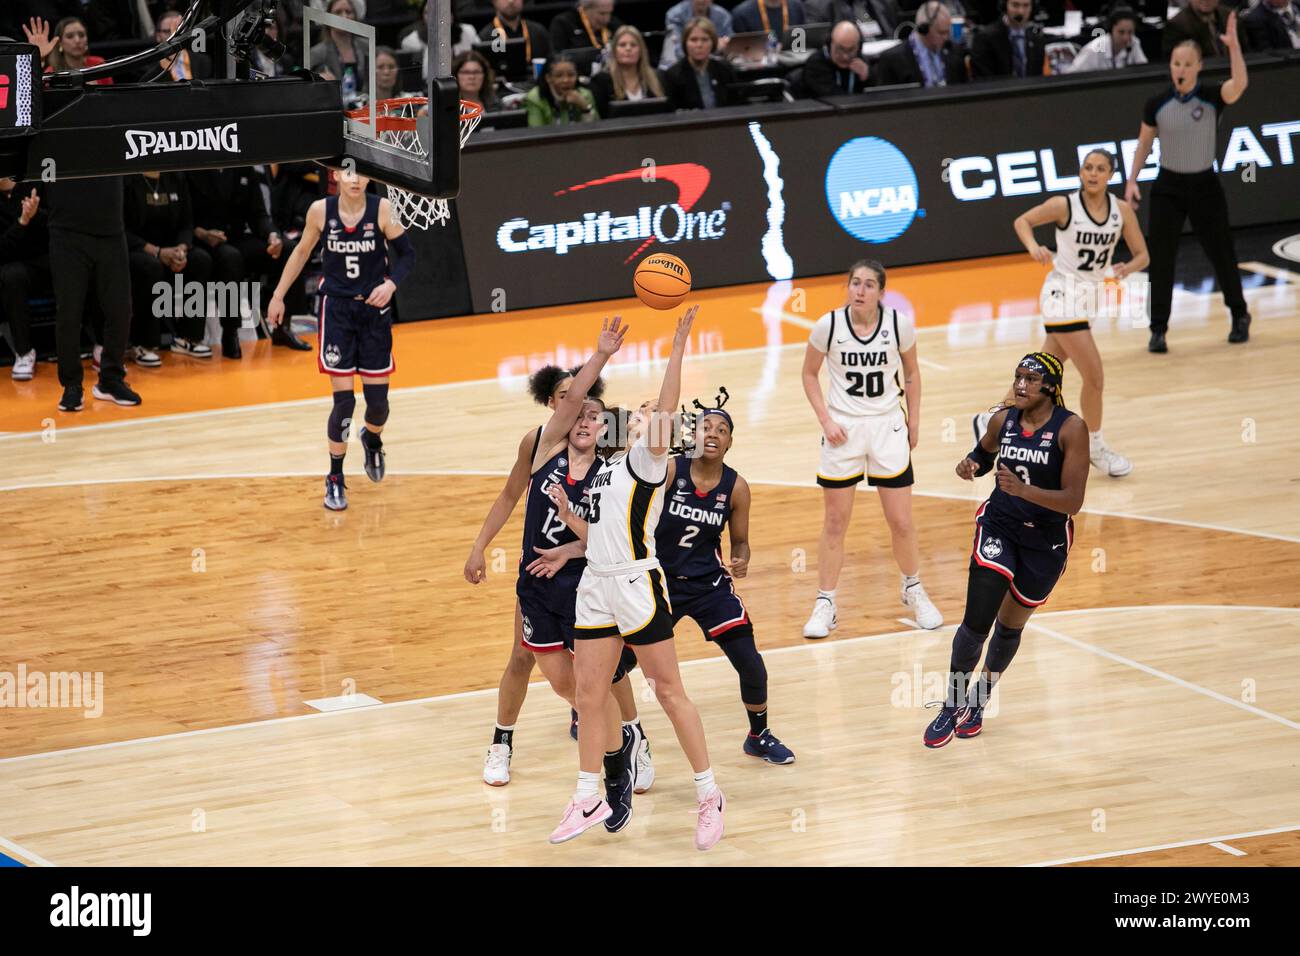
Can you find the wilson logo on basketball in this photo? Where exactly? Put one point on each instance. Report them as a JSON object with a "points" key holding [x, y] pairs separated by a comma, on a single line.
{"points": [[672, 222]]}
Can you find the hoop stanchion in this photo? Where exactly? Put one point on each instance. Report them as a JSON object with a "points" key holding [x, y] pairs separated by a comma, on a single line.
{"points": [[396, 125]]}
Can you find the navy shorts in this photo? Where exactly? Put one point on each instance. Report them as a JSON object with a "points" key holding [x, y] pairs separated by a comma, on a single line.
{"points": [[355, 338], [1032, 562], [711, 602], [547, 611]]}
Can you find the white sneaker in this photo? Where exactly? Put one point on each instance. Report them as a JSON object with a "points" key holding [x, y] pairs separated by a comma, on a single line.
{"points": [[25, 367], [145, 358], [980, 424], [822, 621], [1111, 462], [192, 349], [496, 768], [924, 613], [645, 768]]}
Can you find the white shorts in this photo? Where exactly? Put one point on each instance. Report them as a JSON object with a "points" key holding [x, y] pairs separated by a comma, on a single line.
{"points": [[633, 606], [877, 449], [1069, 305]]}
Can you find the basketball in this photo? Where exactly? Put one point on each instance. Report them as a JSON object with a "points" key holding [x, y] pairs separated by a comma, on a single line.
{"points": [[662, 281]]}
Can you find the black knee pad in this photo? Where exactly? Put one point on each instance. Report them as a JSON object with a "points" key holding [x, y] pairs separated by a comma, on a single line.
{"points": [[741, 651], [340, 423], [985, 589], [376, 403], [1002, 647], [626, 664]]}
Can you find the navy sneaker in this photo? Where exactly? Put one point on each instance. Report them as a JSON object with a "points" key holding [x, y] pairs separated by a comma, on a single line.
{"points": [[972, 723], [767, 747], [73, 400], [618, 794], [336, 493], [942, 727], [373, 457], [573, 723]]}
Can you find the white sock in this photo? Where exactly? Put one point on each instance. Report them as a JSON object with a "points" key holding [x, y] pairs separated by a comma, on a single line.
{"points": [[704, 784], [1095, 439], [588, 786], [910, 580], [828, 595]]}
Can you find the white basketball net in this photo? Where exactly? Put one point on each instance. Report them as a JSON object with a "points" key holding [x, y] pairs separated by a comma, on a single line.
{"points": [[413, 210]]}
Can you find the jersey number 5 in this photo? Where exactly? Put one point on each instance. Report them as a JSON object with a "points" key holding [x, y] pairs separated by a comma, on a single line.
{"points": [[353, 266], [874, 383]]}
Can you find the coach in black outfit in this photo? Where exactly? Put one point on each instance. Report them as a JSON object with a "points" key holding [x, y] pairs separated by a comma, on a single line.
{"points": [[1185, 116], [24, 266], [928, 55], [1203, 21], [1009, 46], [88, 251], [1273, 25]]}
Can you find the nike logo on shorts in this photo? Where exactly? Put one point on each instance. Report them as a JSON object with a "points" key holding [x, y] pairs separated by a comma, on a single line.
{"points": [[1055, 546], [385, 311], [897, 427], [720, 577], [634, 580]]}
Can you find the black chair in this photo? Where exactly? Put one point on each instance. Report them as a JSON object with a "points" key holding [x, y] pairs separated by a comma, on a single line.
{"points": [[646, 107], [768, 90], [505, 119]]}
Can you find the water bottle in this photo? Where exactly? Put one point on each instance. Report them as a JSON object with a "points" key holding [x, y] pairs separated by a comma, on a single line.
{"points": [[773, 48], [348, 85]]}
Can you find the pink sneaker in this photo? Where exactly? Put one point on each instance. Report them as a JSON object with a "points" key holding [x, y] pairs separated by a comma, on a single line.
{"points": [[709, 825], [581, 815]]}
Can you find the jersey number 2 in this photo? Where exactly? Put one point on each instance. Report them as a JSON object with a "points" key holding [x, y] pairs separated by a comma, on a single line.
{"points": [[689, 536], [874, 383]]}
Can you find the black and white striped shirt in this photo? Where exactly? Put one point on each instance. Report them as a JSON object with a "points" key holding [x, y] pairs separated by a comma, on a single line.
{"points": [[1186, 126]]}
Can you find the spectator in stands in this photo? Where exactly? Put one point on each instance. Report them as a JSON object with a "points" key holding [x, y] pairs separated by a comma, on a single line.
{"points": [[587, 25], [232, 221], [928, 56], [838, 67], [884, 14], [388, 79], [1273, 25], [415, 38], [475, 79], [24, 267], [1203, 21], [342, 56], [1114, 49], [768, 16], [184, 65], [160, 237], [67, 48], [699, 80], [675, 28], [558, 98], [628, 74], [1009, 46], [508, 22]]}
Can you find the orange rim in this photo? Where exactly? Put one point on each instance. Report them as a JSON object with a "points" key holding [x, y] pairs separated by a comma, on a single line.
{"points": [[385, 122]]}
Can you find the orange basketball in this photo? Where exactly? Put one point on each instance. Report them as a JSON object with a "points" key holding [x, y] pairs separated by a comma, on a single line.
{"points": [[662, 281]]}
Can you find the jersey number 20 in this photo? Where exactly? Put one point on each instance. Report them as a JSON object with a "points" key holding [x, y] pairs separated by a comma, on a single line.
{"points": [[874, 383]]}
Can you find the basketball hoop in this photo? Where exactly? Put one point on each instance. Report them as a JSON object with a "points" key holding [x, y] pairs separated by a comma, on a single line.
{"points": [[396, 123]]}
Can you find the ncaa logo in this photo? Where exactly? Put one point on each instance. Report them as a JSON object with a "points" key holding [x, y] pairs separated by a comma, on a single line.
{"points": [[871, 189], [991, 548]]}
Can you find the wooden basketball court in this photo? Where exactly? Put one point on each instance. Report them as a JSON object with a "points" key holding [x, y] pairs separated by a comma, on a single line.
{"points": [[180, 550]]}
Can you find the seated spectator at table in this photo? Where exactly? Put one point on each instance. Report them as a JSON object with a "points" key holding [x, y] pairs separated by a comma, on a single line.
{"points": [[838, 67], [777, 16], [928, 56], [1273, 25], [587, 25], [885, 14], [1009, 46], [699, 80], [628, 74], [675, 25], [160, 237], [509, 23], [24, 267], [67, 47], [1202, 21], [475, 79], [1116, 48], [558, 99], [342, 56]]}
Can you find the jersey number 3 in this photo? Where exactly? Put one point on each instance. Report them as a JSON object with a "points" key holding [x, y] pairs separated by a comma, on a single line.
{"points": [[874, 383]]}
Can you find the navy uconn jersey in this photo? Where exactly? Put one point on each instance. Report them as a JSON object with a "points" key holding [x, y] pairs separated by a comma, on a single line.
{"points": [[688, 539], [543, 528], [1037, 459], [353, 261]]}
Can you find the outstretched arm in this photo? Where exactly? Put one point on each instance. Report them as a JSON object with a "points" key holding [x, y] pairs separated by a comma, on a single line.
{"points": [[1235, 85], [566, 412], [661, 419]]}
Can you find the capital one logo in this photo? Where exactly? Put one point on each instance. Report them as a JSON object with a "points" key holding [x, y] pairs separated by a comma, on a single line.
{"points": [[871, 189]]}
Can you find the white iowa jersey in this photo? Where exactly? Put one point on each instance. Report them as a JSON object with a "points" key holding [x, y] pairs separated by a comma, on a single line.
{"points": [[624, 500], [866, 373], [1084, 247]]}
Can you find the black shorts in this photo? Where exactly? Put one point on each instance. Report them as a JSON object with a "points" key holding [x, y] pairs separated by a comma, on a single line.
{"points": [[1031, 567], [547, 611], [355, 338], [711, 602]]}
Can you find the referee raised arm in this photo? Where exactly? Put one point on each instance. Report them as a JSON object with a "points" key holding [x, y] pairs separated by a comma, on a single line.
{"points": [[1185, 115]]}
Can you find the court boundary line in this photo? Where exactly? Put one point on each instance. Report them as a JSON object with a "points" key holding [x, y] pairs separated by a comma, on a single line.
{"points": [[1166, 846], [497, 473], [486, 691], [11, 847]]}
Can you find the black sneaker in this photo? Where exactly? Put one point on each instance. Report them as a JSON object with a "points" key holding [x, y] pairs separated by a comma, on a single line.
{"points": [[74, 399], [1157, 343], [1240, 329], [373, 456], [336, 493], [618, 794], [230, 345], [117, 392], [283, 335]]}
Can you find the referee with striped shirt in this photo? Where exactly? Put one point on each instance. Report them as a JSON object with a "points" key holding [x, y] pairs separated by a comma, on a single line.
{"points": [[1185, 116]]}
